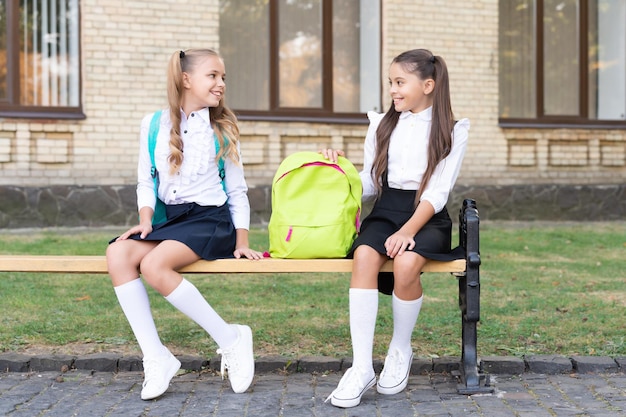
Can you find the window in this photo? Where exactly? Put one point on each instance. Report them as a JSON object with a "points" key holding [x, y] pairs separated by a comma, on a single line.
{"points": [[301, 59], [563, 62], [39, 52]]}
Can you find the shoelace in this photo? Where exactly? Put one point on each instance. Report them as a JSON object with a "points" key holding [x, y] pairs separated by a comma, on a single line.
{"points": [[396, 372], [150, 370], [227, 361], [346, 380]]}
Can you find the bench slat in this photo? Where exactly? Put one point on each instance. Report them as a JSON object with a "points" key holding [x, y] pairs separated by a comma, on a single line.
{"points": [[97, 265]]}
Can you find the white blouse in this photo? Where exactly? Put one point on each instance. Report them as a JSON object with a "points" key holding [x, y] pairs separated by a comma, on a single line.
{"points": [[408, 157], [197, 180]]}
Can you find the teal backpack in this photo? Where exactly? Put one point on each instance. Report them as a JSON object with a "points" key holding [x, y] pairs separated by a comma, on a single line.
{"points": [[316, 205], [159, 215]]}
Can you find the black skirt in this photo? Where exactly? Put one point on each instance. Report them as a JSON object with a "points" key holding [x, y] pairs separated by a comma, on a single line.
{"points": [[207, 230], [390, 212]]}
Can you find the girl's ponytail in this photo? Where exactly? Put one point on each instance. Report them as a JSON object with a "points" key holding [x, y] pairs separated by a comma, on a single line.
{"points": [[174, 98], [427, 66], [223, 120], [442, 125]]}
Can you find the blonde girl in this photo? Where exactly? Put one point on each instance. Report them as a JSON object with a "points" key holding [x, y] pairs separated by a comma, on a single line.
{"points": [[205, 220]]}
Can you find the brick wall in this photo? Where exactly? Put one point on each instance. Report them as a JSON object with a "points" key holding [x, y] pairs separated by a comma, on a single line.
{"points": [[125, 48]]}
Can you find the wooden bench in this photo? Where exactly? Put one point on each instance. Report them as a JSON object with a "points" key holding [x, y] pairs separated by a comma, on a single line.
{"points": [[466, 270]]}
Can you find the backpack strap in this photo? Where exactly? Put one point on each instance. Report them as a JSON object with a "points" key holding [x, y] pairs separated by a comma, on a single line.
{"points": [[220, 162], [152, 136]]}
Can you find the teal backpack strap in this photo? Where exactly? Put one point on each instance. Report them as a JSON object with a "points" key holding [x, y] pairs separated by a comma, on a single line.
{"points": [[152, 136], [159, 208], [220, 162]]}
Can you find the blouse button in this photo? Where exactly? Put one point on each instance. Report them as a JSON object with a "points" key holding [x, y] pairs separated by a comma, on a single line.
{"points": [[184, 131], [193, 115]]}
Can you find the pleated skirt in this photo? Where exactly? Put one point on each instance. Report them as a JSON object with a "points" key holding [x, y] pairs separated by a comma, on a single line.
{"points": [[207, 230], [390, 212]]}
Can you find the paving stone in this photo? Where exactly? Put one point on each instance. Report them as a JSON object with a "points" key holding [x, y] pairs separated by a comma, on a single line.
{"points": [[274, 364], [318, 364], [594, 364], [421, 366], [509, 365], [294, 394], [14, 362], [51, 362], [192, 363], [130, 363], [446, 364], [106, 362], [548, 364]]}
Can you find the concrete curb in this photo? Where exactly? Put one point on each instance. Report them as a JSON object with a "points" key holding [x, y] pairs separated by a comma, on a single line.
{"points": [[505, 365]]}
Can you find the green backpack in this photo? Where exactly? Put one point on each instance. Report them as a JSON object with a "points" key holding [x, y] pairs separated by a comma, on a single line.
{"points": [[159, 215], [316, 205]]}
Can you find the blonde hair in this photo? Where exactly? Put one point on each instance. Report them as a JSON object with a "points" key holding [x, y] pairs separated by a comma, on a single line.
{"points": [[223, 120]]}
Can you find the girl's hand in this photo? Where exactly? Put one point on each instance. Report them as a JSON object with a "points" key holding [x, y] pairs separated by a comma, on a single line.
{"points": [[143, 229], [397, 243], [247, 253], [332, 154]]}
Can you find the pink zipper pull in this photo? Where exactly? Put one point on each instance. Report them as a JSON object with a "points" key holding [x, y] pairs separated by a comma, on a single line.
{"points": [[289, 234]]}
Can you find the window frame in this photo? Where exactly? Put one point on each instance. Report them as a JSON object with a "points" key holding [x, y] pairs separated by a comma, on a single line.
{"points": [[325, 114], [550, 121], [11, 107]]}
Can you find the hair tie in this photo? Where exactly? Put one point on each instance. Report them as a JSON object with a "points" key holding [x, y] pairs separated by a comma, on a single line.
{"points": [[182, 54], [432, 59]]}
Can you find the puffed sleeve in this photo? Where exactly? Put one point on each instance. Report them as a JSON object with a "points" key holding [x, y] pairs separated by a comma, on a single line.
{"points": [[445, 175], [237, 191], [145, 183], [369, 153]]}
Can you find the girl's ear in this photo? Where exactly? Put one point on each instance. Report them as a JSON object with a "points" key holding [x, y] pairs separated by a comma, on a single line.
{"points": [[186, 80], [429, 86]]}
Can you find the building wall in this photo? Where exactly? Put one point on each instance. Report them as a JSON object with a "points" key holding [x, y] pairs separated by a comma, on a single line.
{"points": [[125, 48]]}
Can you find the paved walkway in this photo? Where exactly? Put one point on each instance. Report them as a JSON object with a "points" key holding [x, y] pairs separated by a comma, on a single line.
{"points": [[197, 394]]}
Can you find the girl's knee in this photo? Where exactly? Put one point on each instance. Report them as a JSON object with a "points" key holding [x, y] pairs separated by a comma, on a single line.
{"points": [[116, 256], [365, 255], [407, 269], [365, 267], [149, 266]]}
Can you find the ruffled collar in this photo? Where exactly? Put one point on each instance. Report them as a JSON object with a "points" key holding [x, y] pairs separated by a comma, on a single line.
{"points": [[203, 113]]}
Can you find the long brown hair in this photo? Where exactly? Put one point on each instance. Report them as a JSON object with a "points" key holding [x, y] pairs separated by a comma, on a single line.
{"points": [[425, 65], [223, 120]]}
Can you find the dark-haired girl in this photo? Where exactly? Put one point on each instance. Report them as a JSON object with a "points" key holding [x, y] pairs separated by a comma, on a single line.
{"points": [[412, 157]]}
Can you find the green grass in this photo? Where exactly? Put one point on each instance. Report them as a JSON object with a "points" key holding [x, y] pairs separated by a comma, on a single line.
{"points": [[545, 289]]}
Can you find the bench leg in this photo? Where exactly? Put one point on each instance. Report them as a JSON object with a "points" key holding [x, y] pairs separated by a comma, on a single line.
{"points": [[473, 381]]}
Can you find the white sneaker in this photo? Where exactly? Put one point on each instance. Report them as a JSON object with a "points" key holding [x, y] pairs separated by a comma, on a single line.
{"points": [[351, 388], [158, 372], [239, 360], [395, 375]]}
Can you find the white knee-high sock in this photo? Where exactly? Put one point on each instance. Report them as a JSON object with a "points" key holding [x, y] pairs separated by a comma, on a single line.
{"points": [[134, 301], [363, 312], [187, 299], [405, 314]]}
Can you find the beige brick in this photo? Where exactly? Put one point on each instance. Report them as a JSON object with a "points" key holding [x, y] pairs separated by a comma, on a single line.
{"points": [[126, 45]]}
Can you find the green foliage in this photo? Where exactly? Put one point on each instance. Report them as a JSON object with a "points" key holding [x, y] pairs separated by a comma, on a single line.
{"points": [[545, 289]]}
